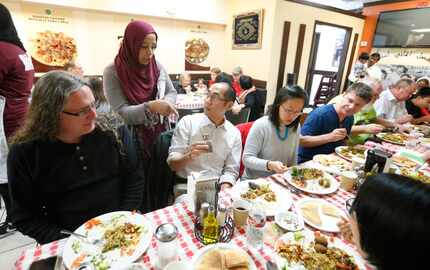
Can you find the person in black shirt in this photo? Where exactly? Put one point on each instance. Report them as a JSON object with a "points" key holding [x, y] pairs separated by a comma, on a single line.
{"points": [[418, 104], [64, 166]]}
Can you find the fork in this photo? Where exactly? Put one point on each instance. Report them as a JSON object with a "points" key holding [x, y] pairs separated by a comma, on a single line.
{"points": [[95, 242]]}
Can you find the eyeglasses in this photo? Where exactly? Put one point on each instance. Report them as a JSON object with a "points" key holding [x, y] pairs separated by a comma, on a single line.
{"points": [[215, 96], [296, 113], [82, 112]]}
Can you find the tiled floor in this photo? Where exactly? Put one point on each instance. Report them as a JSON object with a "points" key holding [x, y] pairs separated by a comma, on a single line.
{"points": [[11, 246]]}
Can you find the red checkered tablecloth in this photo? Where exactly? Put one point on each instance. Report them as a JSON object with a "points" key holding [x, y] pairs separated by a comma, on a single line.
{"points": [[184, 101], [182, 217]]}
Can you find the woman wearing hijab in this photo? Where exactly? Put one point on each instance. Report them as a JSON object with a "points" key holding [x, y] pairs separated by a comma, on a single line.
{"points": [[16, 80], [138, 87]]}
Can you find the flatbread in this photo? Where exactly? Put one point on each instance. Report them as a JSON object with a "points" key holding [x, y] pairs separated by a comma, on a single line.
{"points": [[212, 260], [329, 210], [235, 260], [310, 212]]}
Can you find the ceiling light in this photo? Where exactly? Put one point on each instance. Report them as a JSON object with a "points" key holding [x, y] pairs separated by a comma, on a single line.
{"points": [[421, 30]]}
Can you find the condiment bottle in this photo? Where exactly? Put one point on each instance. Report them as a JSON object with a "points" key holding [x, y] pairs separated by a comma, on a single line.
{"points": [[210, 227], [167, 246]]}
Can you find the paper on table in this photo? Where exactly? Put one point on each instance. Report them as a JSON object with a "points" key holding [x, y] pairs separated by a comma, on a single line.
{"points": [[201, 188]]}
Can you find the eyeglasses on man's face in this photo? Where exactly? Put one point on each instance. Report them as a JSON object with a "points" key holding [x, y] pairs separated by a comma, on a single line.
{"points": [[215, 96], [82, 112]]}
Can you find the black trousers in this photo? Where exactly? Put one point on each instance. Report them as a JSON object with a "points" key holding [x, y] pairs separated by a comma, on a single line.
{"points": [[4, 192]]}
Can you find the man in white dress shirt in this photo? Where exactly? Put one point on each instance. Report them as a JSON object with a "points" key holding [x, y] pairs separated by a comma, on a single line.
{"points": [[208, 141], [391, 104]]}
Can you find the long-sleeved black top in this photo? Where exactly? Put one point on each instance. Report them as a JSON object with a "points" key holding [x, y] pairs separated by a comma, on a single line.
{"points": [[56, 185]]}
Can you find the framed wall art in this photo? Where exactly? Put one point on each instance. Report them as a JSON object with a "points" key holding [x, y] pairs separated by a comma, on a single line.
{"points": [[248, 30]]}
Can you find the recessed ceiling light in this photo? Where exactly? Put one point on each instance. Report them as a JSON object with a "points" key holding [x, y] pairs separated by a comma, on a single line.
{"points": [[421, 30]]}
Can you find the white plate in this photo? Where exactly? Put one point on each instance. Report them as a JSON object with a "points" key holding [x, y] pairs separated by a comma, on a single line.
{"points": [[283, 197], [113, 257], [338, 152], [307, 241], [381, 136], [197, 257], [289, 221], [312, 186], [332, 168], [328, 223]]}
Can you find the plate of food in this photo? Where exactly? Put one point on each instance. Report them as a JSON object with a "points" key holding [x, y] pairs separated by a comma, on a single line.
{"points": [[121, 237], [310, 250], [289, 221], [311, 180], [402, 161], [320, 214], [394, 138], [222, 256], [271, 196], [421, 175], [332, 163], [350, 152]]}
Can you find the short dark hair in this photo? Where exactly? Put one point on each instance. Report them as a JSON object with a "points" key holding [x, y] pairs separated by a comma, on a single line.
{"points": [[284, 94], [423, 92], [245, 82], [224, 77], [363, 56], [375, 56], [393, 221], [229, 94], [361, 90]]}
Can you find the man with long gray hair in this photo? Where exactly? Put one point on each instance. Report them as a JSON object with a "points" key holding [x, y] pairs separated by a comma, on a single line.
{"points": [[64, 167]]}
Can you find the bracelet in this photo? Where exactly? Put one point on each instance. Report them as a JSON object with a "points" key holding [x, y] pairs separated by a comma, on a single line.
{"points": [[267, 165]]}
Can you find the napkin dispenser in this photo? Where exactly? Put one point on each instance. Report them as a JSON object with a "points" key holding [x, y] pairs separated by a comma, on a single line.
{"points": [[377, 158], [202, 187]]}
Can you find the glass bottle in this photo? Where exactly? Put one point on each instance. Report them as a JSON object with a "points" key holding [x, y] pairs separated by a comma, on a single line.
{"points": [[255, 227], [210, 227]]}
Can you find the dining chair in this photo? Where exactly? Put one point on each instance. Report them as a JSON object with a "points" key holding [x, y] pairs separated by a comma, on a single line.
{"points": [[241, 117]]}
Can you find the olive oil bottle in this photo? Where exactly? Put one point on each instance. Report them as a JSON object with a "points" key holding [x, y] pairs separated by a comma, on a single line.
{"points": [[210, 227]]}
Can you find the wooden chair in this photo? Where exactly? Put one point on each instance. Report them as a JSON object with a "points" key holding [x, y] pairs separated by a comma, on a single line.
{"points": [[326, 90]]}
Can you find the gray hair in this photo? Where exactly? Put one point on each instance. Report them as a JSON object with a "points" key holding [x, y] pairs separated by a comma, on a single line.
{"points": [[229, 94], [361, 90], [49, 97], [373, 83]]}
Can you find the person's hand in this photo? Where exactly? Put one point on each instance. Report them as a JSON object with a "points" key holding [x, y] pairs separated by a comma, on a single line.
{"points": [[374, 128], [404, 119], [276, 166], [345, 229], [198, 148], [338, 134], [225, 186], [162, 107]]}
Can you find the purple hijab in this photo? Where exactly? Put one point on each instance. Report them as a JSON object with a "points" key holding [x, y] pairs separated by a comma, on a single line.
{"points": [[138, 81]]}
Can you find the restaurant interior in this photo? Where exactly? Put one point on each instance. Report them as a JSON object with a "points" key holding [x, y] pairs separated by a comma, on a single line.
{"points": [[239, 134]]}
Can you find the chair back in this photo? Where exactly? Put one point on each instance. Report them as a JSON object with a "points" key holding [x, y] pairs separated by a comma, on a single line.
{"points": [[159, 178], [244, 131], [326, 89], [183, 112], [241, 117]]}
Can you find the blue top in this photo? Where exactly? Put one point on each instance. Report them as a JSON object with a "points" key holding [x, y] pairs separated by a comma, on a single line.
{"points": [[321, 121]]}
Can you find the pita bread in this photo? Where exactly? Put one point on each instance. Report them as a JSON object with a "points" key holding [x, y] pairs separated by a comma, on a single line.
{"points": [[212, 260], [310, 212], [329, 210], [235, 259]]}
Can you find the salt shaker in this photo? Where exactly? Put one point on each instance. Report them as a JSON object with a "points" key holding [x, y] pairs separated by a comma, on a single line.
{"points": [[167, 246], [221, 215]]}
